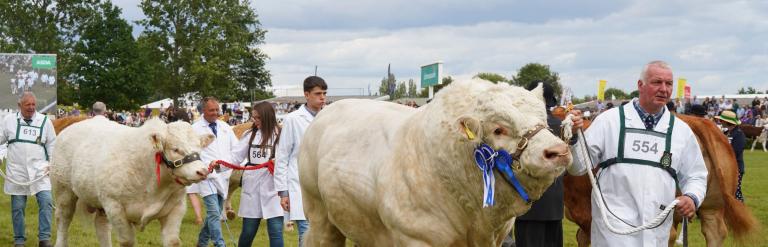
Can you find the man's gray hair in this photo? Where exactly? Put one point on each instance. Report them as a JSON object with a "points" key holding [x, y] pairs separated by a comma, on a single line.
{"points": [[99, 108], [26, 94], [658, 63]]}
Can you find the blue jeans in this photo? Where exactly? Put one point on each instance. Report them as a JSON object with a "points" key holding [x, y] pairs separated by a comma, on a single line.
{"points": [[212, 225], [251, 226], [303, 226], [45, 209]]}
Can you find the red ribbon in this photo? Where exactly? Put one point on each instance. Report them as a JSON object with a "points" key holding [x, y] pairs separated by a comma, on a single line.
{"points": [[270, 165], [158, 159]]}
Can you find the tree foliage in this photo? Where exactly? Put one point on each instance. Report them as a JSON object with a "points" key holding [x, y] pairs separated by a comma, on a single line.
{"points": [[620, 94], [204, 46], [535, 72], [749, 90], [106, 62], [492, 77]]}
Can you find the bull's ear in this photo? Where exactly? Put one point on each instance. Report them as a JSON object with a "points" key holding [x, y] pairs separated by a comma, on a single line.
{"points": [[157, 141], [539, 91], [470, 128], [206, 139]]}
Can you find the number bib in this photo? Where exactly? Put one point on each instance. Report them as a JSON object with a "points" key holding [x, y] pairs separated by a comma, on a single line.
{"points": [[258, 154], [644, 145], [29, 133]]}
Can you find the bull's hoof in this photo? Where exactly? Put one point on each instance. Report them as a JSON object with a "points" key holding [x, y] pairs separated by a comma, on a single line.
{"points": [[45, 243], [231, 214]]}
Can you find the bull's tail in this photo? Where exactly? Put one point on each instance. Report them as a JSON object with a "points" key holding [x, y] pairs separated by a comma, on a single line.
{"points": [[741, 221]]}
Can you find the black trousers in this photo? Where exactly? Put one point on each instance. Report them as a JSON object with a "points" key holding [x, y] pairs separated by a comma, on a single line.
{"points": [[529, 233]]}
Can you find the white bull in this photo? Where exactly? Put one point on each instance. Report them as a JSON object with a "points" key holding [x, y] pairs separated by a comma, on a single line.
{"points": [[111, 167], [382, 174]]}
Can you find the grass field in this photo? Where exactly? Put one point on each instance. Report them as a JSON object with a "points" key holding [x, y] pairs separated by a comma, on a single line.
{"points": [[82, 233]]}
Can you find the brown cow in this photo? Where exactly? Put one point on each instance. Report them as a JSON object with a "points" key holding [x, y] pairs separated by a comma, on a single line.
{"points": [[719, 212], [60, 123]]}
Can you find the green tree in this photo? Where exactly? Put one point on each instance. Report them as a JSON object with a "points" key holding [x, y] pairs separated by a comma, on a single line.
{"points": [[634, 94], [492, 77], [400, 91], [412, 88], [388, 85], [749, 90], [620, 94], [535, 72], [106, 62], [204, 46]]}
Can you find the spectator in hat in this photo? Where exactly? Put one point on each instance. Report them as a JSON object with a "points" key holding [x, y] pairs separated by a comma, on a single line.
{"points": [[698, 110], [738, 141]]}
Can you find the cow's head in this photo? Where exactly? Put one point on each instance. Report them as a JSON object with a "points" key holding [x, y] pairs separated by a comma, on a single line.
{"points": [[180, 147], [501, 116]]}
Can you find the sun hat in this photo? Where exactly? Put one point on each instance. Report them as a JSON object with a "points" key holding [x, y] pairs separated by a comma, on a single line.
{"points": [[729, 117]]}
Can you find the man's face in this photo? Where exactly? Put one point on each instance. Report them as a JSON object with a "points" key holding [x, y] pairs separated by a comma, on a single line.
{"points": [[316, 97], [657, 87], [211, 111], [27, 107]]}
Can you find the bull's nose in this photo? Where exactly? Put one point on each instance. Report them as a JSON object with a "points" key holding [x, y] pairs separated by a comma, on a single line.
{"points": [[558, 154], [203, 173]]}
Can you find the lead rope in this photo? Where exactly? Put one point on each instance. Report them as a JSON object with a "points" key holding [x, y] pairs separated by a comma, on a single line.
{"points": [[601, 204]]}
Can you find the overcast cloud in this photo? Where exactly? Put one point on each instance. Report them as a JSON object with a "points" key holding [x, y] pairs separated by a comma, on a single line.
{"points": [[718, 46]]}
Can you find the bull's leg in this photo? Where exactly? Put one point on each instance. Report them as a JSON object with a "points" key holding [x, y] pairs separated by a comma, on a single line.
{"points": [[322, 232], [66, 203], [171, 224], [234, 183], [753, 145], [713, 227], [103, 228], [582, 237], [116, 215]]}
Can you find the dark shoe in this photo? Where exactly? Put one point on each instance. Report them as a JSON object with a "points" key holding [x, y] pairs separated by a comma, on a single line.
{"points": [[45, 243]]}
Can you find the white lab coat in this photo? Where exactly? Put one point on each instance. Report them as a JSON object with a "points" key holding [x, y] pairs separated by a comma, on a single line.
{"points": [[258, 198], [287, 156], [634, 192], [26, 161], [220, 149]]}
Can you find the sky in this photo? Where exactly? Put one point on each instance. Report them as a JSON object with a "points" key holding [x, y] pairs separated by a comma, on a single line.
{"points": [[717, 46]]}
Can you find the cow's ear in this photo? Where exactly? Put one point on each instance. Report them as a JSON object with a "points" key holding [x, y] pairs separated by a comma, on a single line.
{"points": [[470, 128], [539, 92], [206, 139], [157, 141]]}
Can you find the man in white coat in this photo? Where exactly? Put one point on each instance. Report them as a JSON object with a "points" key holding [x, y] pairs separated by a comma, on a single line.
{"points": [[644, 153], [214, 189], [31, 138], [287, 153]]}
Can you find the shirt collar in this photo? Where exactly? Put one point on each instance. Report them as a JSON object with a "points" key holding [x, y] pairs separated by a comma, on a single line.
{"points": [[643, 114], [313, 113]]}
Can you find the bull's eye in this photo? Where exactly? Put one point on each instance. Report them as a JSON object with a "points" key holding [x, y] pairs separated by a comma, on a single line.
{"points": [[498, 131], [176, 150]]}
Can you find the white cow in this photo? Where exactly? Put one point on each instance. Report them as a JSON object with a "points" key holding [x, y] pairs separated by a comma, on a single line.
{"points": [[111, 167], [383, 174]]}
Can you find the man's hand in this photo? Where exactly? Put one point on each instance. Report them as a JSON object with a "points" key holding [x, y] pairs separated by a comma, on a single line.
{"points": [[578, 122], [685, 206], [285, 203]]}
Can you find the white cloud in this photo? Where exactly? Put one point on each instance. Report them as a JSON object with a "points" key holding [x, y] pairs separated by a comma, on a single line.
{"points": [[711, 43]]}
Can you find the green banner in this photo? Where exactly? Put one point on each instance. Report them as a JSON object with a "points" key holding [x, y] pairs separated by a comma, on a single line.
{"points": [[429, 75], [44, 61]]}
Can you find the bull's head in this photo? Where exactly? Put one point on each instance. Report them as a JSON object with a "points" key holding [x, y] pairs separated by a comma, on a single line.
{"points": [[507, 118], [180, 147]]}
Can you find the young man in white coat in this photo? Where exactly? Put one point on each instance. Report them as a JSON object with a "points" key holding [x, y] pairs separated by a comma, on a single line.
{"points": [[287, 153], [214, 188], [31, 138], [643, 153]]}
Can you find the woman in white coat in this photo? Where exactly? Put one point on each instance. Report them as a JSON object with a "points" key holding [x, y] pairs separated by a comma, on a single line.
{"points": [[259, 199]]}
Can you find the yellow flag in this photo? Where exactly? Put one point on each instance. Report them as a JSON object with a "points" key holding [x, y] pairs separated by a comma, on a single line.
{"points": [[601, 89], [680, 87]]}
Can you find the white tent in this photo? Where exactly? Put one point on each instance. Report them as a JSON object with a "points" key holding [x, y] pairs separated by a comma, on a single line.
{"points": [[160, 104]]}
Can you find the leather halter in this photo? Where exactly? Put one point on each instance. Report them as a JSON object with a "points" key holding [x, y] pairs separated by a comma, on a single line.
{"points": [[192, 157], [523, 144]]}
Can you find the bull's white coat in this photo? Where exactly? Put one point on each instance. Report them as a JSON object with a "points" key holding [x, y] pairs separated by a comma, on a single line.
{"points": [[383, 174], [112, 167]]}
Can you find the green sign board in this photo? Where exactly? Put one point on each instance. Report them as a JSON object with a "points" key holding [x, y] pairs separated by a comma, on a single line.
{"points": [[430, 75], [43, 61]]}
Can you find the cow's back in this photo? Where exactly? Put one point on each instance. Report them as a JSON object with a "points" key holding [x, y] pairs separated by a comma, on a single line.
{"points": [[363, 134]]}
